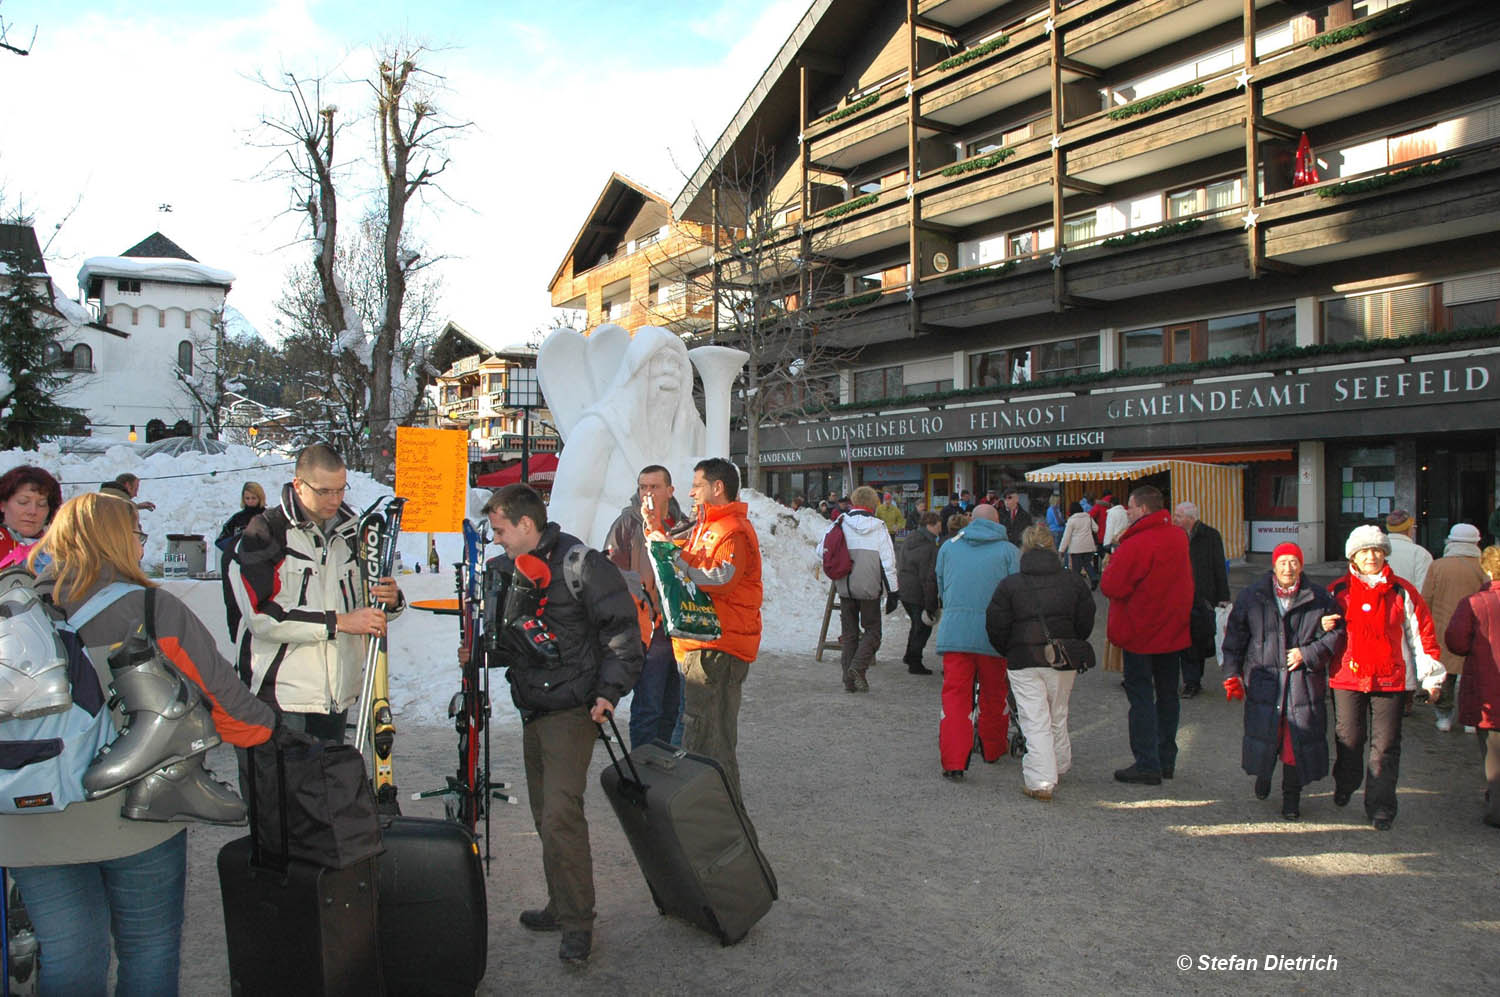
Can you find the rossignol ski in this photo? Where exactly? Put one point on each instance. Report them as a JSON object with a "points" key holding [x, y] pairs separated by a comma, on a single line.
{"points": [[378, 529]]}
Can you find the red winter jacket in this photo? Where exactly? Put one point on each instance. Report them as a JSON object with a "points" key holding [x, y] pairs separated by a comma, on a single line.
{"points": [[1474, 632], [1149, 582], [1389, 642]]}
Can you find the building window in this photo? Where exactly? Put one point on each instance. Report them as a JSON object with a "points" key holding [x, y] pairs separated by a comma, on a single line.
{"points": [[1141, 348], [1213, 199], [187, 320], [185, 357], [1251, 333], [1021, 245], [128, 286], [990, 370], [1382, 315], [52, 355], [927, 387], [161, 320], [1064, 357], [882, 382], [1079, 230], [83, 357]]}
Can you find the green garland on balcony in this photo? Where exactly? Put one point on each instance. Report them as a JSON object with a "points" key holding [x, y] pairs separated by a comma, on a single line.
{"points": [[854, 108], [979, 162], [993, 270], [839, 210], [1355, 30], [977, 52], [1388, 179], [1160, 232], [855, 302], [1283, 353], [1156, 100]]}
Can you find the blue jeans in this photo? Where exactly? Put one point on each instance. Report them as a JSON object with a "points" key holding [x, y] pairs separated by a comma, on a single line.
{"points": [[1151, 687], [76, 908], [656, 709]]}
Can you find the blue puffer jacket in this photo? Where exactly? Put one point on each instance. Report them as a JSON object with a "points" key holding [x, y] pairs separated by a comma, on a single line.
{"points": [[969, 568]]}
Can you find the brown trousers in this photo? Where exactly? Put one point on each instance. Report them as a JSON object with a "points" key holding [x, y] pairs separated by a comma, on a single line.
{"points": [[557, 748], [711, 708]]}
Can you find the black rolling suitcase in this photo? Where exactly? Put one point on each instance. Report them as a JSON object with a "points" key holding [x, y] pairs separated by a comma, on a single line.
{"points": [[691, 838], [434, 927], [294, 927]]}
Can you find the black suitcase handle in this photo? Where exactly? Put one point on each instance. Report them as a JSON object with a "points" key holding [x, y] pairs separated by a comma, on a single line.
{"points": [[256, 858], [635, 776]]}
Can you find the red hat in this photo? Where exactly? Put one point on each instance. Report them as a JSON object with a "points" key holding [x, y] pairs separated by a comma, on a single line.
{"points": [[1283, 549]]}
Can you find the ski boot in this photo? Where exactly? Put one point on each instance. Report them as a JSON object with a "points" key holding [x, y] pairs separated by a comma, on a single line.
{"points": [[185, 790], [33, 662], [166, 719]]}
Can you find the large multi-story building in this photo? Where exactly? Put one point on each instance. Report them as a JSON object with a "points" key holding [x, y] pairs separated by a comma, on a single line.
{"points": [[493, 396], [1259, 232]]}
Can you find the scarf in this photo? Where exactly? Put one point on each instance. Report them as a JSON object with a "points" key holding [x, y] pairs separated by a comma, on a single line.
{"points": [[1458, 548], [1284, 596]]}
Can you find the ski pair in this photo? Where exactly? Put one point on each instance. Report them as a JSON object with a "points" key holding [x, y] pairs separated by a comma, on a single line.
{"points": [[379, 527]]}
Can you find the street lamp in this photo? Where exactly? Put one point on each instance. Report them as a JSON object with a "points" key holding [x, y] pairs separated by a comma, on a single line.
{"points": [[132, 434], [522, 391], [253, 434]]}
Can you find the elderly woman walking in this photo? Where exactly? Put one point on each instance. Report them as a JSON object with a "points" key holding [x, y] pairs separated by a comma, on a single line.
{"points": [[1474, 632], [1041, 602], [1390, 650], [1276, 658]]}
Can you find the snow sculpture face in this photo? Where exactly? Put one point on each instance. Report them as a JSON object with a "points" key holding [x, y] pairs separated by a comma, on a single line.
{"points": [[623, 402]]}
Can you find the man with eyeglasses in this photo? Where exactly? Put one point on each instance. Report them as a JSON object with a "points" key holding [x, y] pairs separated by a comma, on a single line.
{"points": [[295, 574]]}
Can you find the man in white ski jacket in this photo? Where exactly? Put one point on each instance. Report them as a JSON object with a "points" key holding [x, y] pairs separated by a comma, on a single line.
{"points": [[295, 574], [860, 591]]}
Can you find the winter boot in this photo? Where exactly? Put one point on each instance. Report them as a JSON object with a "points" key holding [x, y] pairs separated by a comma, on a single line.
{"points": [[1291, 793], [184, 791], [166, 719], [33, 661]]}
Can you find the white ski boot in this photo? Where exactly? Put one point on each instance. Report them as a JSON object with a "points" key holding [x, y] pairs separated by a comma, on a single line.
{"points": [[33, 661], [166, 719], [185, 790]]}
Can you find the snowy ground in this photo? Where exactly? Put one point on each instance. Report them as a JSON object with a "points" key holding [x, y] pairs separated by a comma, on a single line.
{"points": [[197, 493]]}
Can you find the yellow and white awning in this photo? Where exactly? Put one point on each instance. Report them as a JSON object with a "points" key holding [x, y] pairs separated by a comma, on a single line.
{"points": [[1218, 490]]}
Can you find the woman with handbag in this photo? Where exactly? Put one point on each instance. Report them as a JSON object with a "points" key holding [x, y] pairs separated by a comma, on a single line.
{"points": [[1040, 619], [86, 872], [1276, 658]]}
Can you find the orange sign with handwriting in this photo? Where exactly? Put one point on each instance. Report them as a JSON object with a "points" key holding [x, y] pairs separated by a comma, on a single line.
{"points": [[432, 474]]}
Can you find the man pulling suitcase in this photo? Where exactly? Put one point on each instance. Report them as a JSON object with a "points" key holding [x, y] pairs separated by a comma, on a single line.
{"points": [[569, 658]]}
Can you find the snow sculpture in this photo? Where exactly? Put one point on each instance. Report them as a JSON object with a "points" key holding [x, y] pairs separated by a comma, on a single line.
{"points": [[624, 402]]}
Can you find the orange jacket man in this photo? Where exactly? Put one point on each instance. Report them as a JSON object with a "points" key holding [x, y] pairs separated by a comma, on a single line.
{"points": [[722, 557]]}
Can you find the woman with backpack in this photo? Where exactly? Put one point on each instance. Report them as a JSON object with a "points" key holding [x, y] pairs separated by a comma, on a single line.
{"points": [[28, 498], [85, 871]]}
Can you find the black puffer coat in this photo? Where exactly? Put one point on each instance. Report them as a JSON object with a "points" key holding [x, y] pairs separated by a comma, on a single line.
{"points": [[599, 638], [916, 570], [1014, 619], [1256, 641]]}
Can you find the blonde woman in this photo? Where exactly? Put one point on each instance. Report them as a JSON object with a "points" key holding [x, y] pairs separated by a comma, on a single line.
{"points": [[86, 872]]}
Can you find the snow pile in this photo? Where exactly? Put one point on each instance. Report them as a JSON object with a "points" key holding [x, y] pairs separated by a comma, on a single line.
{"points": [[796, 592], [152, 268]]}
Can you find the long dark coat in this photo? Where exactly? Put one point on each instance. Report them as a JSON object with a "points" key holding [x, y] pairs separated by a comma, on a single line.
{"points": [[1256, 641]]}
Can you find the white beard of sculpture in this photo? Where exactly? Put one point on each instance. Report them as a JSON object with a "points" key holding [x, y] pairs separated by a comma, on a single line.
{"points": [[621, 404]]}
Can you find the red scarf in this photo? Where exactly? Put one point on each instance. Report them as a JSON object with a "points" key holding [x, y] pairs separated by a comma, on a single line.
{"points": [[1286, 593]]}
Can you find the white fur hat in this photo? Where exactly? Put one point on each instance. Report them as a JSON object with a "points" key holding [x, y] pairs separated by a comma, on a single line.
{"points": [[1363, 537], [1464, 533]]}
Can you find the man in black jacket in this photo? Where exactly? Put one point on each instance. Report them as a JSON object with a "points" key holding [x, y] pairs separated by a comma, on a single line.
{"points": [[1210, 589], [1013, 517], [578, 655], [916, 582], [946, 513]]}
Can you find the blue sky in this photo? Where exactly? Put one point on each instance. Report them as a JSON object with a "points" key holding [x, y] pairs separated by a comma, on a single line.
{"points": [[134, 105]]}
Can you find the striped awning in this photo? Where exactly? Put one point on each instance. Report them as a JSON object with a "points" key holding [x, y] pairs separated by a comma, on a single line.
{"points": [[1099, 470], [1223, 456]]}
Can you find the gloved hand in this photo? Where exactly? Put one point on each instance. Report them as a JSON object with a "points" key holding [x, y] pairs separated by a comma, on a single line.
{"points": [[892, 600], [1233, 689], [930, 617]]}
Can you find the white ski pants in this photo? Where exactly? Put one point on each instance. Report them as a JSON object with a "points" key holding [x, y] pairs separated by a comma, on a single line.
{"points": [[1042, 710]]}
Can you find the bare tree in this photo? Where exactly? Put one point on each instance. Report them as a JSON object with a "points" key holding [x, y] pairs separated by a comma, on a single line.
{"points": [[8, 46], [412, 133], [773, 295]]}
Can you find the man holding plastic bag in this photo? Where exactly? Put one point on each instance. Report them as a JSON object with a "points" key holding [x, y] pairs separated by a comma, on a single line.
{"points": [[710, 581]]}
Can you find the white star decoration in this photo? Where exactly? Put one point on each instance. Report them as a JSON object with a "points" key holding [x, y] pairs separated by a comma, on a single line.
{"points": [[799, 138], [1242, 78], [908, 89], [1056, 141], [1251, 218], [910, 294], [1049, 27], [911, 192], [1057, 259]]}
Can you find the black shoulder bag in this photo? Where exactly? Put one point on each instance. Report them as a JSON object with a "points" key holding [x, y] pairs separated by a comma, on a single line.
{"points": [[1064, 654]]}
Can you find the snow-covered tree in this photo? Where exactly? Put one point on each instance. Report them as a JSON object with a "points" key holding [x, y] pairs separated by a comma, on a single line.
{"points": [[30, 360]]}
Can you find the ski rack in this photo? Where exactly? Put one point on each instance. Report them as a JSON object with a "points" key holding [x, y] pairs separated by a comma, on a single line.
{"points": [[467, 793]]}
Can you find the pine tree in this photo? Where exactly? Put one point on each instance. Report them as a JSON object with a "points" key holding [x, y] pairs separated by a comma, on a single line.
{"points": [[30, 370]]}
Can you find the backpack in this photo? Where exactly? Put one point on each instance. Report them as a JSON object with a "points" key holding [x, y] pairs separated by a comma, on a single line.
{"points": [[837, 561], [43, 756], [573, 576]]}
